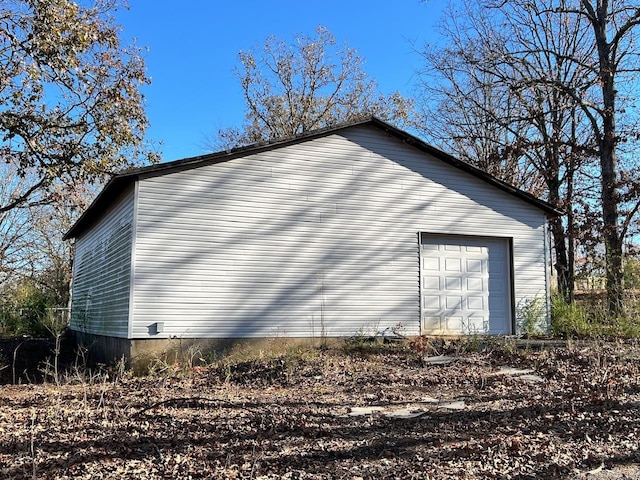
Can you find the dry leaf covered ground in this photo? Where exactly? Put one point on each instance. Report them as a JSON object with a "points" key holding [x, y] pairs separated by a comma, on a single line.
{"points": [[369, 413]]}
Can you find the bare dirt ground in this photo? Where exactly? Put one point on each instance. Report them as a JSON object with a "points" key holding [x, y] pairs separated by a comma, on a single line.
{"points": [[369, 413]]}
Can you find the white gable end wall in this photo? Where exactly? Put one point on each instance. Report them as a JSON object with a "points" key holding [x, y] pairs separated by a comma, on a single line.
{"points": [[310, 239], [102, 273], [462, 204]]}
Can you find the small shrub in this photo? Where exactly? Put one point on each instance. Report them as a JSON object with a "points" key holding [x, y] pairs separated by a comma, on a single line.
{"points": [[627, 326], [570, 320], [22, 307], [530, 316], [367, 339], [56, 324], [631, 272], [422, 346]]}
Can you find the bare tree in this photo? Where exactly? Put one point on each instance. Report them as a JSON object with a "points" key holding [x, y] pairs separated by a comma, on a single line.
{"points": [[501, 68], [613, 26], [311, 83], [475, 118], [31, 245], [16, 228]]}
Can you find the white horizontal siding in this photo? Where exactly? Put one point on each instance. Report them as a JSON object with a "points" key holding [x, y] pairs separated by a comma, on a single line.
{"points": [[322, 232], [102, 273]]}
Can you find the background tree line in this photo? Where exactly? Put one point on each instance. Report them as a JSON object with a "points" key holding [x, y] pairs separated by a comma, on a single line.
{"points": [[542, 94], [537, 92]]}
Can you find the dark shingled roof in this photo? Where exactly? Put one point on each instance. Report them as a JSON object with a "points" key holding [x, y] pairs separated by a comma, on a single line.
{"points": [[122, 181]]}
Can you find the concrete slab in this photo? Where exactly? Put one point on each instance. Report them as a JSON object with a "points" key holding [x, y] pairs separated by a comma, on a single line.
{"points": [[439, 360], [506, 370], [532, 378], [405, 413], [360, 411], [429, 400], [455, 405]]}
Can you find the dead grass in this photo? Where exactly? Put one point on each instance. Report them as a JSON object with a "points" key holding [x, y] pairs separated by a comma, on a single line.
{"points": [[293, 415]]}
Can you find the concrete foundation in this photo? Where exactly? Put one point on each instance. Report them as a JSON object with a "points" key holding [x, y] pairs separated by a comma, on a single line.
{"points": [[102, 349], [138, 353]]}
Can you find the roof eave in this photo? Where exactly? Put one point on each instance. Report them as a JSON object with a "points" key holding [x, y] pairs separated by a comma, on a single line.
{"points": [[415, 142], [109, 193]]}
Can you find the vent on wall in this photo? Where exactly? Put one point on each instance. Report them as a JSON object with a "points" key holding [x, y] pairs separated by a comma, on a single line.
{"points": [[156, 328]]}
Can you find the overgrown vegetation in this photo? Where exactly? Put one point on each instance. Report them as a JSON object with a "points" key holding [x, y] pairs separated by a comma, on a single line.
{"points": [[588, 317], [24, 307]]}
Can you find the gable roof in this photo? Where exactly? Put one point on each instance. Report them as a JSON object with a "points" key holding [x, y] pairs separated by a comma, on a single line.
{"points": [[119, 183]]}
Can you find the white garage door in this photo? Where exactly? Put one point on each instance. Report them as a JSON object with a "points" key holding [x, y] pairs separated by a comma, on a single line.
{"points": [[465, 285]]}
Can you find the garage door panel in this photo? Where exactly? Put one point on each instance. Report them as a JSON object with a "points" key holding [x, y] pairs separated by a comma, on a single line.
{"points": [[498, 266], [476, 324], [454, 324], [453, 283], [497, 283], [432, 324], [476, 303], [431, 283], [431, 264], [453, 303], [465, 284], [475, 265], [452, 264], [498, 299], [431, 302]]}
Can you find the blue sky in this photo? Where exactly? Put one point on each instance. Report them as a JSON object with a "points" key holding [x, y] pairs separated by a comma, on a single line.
{"points": [[193, 48]]}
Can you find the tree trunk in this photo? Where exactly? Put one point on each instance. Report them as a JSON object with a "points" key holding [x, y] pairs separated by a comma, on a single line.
{"points": [[565, 273], [611, 235], [571, 232], [563, 266], [608, 161]]}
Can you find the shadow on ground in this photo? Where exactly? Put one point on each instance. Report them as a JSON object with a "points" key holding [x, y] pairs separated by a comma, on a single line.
{"points": [[26, 359]]}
